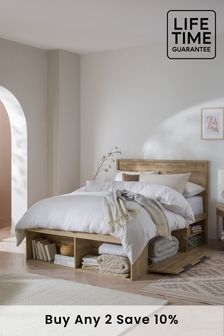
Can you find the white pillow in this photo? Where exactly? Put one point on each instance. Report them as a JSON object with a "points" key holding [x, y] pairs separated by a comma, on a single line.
{"points": [[173, 201], [192, 189], [119, 173], [174, 181]]}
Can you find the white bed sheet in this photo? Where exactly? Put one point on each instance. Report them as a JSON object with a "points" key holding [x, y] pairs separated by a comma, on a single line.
{"points": [[196, 203], [84, 212]]}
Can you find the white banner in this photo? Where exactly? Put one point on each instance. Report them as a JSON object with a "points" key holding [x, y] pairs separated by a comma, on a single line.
{"points": [[111, 320]]}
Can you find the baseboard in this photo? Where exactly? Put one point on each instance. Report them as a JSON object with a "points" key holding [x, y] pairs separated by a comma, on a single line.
{"points": [[5, 222], [212, 242]]}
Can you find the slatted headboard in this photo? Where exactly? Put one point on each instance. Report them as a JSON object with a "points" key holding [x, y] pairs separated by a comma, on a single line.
{"points": [[199, 169]]}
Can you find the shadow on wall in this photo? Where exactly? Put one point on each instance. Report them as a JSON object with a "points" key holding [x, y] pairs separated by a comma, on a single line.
{"points": [[179, 138]]}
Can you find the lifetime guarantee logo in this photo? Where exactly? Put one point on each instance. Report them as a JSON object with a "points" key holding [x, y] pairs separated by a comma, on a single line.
{"points": [[191, 34]]}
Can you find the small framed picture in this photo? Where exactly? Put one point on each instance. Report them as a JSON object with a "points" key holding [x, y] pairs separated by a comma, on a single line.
{"points": [[212, 123]]}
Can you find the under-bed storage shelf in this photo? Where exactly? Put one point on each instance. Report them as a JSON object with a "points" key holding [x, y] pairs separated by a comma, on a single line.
{"points": [[188, 239], [84, 244]]}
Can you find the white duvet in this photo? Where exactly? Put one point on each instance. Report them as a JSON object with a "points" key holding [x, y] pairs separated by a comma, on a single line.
{"points": [[83, 211]]}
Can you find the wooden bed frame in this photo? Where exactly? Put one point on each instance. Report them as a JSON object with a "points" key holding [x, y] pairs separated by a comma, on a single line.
{"points": [[87, 243]]}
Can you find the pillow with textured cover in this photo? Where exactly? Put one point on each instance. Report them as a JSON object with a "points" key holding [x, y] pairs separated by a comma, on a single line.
{"points": [[130, 177], [174, 181], [119, 174]]}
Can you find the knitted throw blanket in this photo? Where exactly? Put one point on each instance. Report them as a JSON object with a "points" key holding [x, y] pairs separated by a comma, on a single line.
{"points": [[118, 215]]}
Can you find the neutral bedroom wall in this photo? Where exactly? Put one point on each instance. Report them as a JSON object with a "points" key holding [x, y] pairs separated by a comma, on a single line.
{"points": [[23, 71], [5, 170], [149, 106], [63, 121], [47, 85]]}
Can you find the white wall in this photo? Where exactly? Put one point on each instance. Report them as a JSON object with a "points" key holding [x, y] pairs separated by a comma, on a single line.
{"points": [[23, 71], [5, 171], [69, 122], [52, 119], [63, 122], [47, 85], [149, 106]]}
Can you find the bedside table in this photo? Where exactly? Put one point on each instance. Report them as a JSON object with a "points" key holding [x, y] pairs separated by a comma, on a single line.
{"points": [[219, 213]]}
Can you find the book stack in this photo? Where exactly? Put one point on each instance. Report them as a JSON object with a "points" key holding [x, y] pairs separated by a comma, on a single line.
{"points": [[64, 260], [89, 262], [43, 249], [196, 229]]}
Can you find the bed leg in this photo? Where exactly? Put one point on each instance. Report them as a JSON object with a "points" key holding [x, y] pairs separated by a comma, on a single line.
{"points": [[140, 267]]}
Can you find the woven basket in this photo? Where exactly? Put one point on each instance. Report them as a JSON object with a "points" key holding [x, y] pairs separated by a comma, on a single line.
{"points": [[67, 250]]}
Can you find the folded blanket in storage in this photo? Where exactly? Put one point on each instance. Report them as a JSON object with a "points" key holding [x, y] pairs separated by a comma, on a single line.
{"points": [[89, 260], [112, 249], [113, 264], [158, 259], [160, 247]]}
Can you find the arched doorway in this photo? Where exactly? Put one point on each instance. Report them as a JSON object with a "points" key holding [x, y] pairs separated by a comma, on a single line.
{"points": [[5, 168], [18, 129]]}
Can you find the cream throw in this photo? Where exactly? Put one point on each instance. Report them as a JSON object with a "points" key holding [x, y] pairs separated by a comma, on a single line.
{"points": [[117, 214], [113, 264]]}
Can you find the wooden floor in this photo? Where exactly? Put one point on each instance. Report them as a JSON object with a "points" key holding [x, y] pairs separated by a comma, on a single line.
{"points": [[12, 260]]}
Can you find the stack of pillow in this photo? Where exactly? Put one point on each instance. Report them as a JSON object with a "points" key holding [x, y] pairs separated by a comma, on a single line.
{"points": [[169, 189], [178, 182]]}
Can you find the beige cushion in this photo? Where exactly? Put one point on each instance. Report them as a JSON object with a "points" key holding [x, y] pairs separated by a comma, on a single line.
{"points": [[174, 181], [130, 177], [119, 174]]}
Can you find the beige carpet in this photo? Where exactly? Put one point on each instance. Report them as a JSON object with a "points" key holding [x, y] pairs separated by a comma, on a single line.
{"points": [[32, 289], [203, 283]]}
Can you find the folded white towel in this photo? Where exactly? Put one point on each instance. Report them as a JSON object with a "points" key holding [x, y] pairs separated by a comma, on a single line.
{"points": [[161, 246], [90, 259], [112, 249], [87, 263], [158, 259]]}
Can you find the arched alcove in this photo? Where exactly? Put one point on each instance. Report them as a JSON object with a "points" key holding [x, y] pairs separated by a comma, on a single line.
{"points": [[18, 154], [5, 168]]}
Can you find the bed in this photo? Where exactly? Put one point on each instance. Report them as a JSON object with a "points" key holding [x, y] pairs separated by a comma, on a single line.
{"points": [[87, 243], [199, 170]]}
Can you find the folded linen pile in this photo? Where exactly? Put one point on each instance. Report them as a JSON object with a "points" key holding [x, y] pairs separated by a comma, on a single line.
{"points": [[112, 249], [114, 264], [196, 228], [89, 262], [162, 248]]}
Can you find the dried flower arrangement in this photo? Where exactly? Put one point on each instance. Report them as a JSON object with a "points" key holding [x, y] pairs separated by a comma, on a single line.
{"points": [[106, 161]]}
